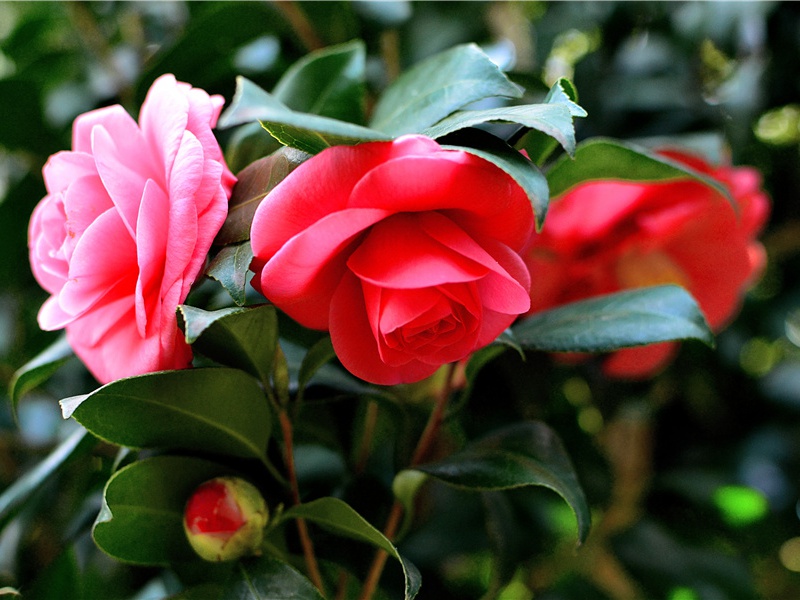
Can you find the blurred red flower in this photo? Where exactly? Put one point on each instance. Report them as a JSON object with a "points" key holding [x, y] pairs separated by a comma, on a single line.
{"points": [[606, 236]]}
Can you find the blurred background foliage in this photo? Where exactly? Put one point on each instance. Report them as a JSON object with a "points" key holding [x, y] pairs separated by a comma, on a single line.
{"points": [[694, 476]]}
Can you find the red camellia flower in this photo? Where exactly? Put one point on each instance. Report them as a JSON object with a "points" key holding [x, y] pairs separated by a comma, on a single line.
{"points": [[126, 225], [225, 518], [409, 254], [606, 236]]}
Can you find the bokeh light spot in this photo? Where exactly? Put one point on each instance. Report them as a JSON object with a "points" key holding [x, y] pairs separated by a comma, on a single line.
{"points": [[789, 554], [740, 505]]}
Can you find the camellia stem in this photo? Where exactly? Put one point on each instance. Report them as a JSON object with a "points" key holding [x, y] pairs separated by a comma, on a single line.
{"points": [[395, 517], [302, 530]]}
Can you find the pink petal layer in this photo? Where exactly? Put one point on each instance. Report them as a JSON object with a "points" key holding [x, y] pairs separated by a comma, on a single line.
{"points": [[126, 228]]}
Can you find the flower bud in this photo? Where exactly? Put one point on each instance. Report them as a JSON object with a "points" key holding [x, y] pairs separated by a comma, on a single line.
{"points": [[225, 518]]}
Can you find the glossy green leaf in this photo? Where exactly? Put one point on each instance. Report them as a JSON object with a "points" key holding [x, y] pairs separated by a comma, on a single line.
{"points": [[518, 455], [141, 519], [630, 318], [244, 338], [15, 495], [312, 134], [539, 145], [327, 82], [38, 370], [250, 104], [230, 268], [551, 118], [338, 517], [254, 182], [247, 144], [438, 86], [306, 132], [208, 410], [266, 578], [523, 171], [563, 90], [604, 159]]}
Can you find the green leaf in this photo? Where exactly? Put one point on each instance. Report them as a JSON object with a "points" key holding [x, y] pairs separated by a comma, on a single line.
{"points": [[266, 578], [38, 370], [230, 268], [312, 134], [563, 90], [247, 144], [327, 82], [518, 455], [604, 159], [244, 338], [306, 132], [554, 120], [405, 486], [434, 88], [521, 170], [208, 410], [315, 370], [477, 361], [141, 519], [317, 356], [15, 495], [254, 182], [630, 318], [338, 517], [250, 104], [539, 145]]}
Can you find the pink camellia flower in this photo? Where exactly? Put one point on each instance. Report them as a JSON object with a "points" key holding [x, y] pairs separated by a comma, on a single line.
{"points": [[406, 252], [224, 519], [607, 236], [124, 230]]}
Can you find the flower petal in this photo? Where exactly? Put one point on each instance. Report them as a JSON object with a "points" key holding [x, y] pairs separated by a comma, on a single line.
{"points": [[398, 253], [355, 345], [91, 279], [302, 276], [477, 195]]}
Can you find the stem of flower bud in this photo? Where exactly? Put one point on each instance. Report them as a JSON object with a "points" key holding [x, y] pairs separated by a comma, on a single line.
{"points": [[302, 529]]}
